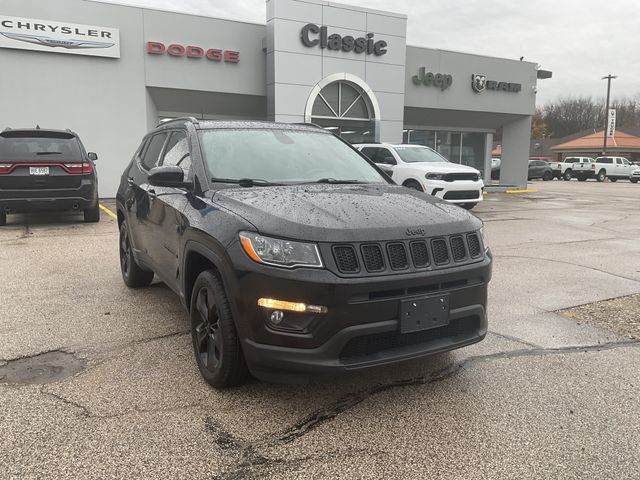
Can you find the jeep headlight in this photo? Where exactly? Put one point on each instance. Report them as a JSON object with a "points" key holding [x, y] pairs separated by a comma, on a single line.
{"points": [[435, 176], [280, 252]]}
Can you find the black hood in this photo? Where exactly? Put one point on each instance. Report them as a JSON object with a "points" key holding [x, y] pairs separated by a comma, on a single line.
{"points": [[339, 213]]}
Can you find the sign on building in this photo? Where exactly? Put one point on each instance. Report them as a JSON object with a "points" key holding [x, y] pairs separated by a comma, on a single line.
{"points": [[61, 37], [611, 123]]}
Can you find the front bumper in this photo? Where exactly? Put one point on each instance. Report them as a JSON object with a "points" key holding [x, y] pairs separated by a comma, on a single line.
{"points": [[14, 201], [362, 327], [459, 191]]}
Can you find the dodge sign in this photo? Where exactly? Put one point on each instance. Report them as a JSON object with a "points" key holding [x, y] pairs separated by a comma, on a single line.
{"points": [[61, 37]]}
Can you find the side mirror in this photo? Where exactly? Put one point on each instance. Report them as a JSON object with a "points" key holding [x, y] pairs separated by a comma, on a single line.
{"points": [[168, 176], [389, 160], [92, 156]]}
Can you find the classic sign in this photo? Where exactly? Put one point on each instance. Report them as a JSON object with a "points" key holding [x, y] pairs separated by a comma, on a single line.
{"points": [[439, 80], [479, 83], [313, 35], [49, 36]]}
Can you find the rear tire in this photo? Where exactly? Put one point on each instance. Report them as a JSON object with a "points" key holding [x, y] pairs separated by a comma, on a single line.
{"points": [[601, 176], [215, 340], [413, 184], [582, 178], [3, 219], [132, 274], [546, 176], [468, 206], [613, 179], [568, 175], [92, 215]]}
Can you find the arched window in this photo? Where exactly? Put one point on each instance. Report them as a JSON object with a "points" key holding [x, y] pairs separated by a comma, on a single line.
{"points": [[342, 100], [346, 109]]}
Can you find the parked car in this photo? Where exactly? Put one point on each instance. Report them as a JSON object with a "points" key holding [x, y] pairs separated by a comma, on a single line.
{"points": [[425, 170], [566, 168], [495, 168], [46, 170], [294, 254], [613, 167], [539, 169]]}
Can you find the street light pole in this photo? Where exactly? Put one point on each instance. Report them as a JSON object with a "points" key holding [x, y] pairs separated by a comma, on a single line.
{"points": [[606, 111]]}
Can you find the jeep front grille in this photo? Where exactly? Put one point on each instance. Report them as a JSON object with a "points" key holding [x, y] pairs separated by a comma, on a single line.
{"points": [[383, 258]]}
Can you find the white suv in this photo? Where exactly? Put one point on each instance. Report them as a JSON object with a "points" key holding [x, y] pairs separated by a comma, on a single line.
{"points": [[424, 169]]}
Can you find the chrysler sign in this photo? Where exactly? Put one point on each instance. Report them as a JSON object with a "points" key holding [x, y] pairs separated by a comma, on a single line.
{"points": [[49, 36]]}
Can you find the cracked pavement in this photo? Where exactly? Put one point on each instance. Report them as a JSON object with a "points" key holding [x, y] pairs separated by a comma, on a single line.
{"points": [[543, 396]]}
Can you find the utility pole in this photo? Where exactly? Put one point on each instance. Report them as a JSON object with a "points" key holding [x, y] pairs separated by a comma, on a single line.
{"points": [[606, 111]]}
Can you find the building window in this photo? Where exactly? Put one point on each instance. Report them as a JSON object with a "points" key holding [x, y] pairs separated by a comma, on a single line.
{"points": [[457, 147], [345, 109]]}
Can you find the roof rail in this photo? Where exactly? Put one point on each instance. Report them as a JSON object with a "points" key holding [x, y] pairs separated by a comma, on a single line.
{"points": [[179, 119]]}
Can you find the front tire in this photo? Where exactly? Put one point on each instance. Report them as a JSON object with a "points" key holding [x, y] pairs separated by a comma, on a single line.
{"points": [[132, 274], [3, 219], [468, 206], [92, 215], [613, 179], [413, 184], [633, 180], [601, 176], [568, 175], [582, 178], [546, 176], [215, 340]]}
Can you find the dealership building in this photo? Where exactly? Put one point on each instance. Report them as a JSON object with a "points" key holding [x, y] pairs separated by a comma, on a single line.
{"points": [[112, 72]]}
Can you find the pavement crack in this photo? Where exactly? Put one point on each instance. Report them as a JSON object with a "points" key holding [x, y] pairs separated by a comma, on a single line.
{"points": [[514, 339], [84, 411]]}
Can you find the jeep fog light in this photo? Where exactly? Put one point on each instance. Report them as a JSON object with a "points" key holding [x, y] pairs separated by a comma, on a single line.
{"points": [[291, 306]]}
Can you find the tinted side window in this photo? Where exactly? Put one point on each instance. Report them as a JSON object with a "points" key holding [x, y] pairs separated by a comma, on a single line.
{"points": [[370, 152], [605, 160], [625, 161], [385, 156], [151, 154], [177, 152]]}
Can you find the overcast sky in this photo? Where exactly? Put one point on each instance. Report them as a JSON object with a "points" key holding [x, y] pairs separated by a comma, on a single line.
{"points": [[579, 40]]}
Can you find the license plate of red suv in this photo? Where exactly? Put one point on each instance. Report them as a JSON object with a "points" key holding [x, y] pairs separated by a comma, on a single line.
{"points": [[38, 170], [424, 313]]}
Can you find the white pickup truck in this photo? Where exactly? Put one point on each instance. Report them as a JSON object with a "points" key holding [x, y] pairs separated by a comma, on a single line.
{"points": [[568, 168], [613, 168]]}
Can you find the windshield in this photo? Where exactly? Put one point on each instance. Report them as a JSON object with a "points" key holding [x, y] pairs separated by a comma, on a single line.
{"points": [[24, 146], [419, 154], [283, 156]]}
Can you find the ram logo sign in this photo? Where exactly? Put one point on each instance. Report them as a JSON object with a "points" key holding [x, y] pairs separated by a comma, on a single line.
{"points": [[49, 36]]}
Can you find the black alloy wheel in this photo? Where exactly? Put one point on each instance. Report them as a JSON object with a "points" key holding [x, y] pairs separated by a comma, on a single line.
{"points": [[216, 344]]}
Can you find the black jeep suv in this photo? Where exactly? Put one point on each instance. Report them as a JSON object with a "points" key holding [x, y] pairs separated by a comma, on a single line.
{"points": [[294, 254], [46, 170]]}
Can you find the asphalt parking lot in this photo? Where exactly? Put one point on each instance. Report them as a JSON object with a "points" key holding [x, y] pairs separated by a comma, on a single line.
{"points": [[543, 396]]}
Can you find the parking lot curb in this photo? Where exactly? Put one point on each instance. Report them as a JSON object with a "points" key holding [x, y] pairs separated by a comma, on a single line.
{"points": [[528, 190], [108, 212]]}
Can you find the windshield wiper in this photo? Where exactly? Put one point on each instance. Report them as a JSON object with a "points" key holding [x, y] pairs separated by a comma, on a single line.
{"points": [[48, 153], [334, 181], [247, 182]]}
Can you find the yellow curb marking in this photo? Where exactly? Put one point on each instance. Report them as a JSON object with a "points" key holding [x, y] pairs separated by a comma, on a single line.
{"points": [[530, 190], [108, 212]]}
